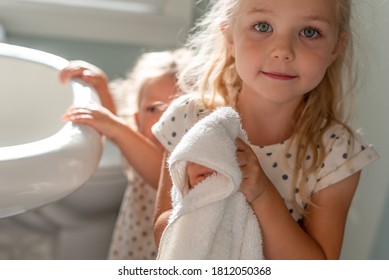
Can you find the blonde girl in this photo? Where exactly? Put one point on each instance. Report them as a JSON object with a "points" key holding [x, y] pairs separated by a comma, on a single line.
{"points": [[139, 100], [286, 67]]}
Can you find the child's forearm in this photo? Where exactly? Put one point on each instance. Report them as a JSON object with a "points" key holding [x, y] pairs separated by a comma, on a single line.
{"points": [[321, 234], [141, 153], [282, 237], [163, 204], [106, 98], [160, 225]]}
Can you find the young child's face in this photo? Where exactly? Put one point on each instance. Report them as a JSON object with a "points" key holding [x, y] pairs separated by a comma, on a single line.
{"points": [[282, 49], [156, 95], [197, 173]]}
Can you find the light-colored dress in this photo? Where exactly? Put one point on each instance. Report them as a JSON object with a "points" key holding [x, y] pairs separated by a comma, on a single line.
{"points": [[345, 155], [133, 237]]}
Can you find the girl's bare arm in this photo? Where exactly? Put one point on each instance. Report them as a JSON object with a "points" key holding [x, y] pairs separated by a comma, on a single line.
{"points": [[163, 204]]}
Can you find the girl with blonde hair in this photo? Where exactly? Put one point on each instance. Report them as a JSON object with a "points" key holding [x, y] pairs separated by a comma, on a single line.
{"points": [[286, 67]]}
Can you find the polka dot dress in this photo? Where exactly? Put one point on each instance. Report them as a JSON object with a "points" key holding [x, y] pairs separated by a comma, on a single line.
{"points": [[343, 159], [133, 237]]}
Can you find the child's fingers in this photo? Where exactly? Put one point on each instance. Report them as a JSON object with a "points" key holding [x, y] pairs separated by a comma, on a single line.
{"points": [[242, 152], [76, 117], [75, 114], [69, 73], [240, 145], [80, 110], [78, 69]]}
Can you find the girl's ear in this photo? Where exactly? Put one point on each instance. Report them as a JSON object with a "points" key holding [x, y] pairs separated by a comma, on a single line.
{"points": [[342, 41], [227, 33]]}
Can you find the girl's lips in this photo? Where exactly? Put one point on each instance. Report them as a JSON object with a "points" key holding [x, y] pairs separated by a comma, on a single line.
{"points": [[279, 76]]}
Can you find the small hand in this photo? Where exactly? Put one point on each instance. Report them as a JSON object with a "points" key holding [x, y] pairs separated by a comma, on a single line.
{"points": [[88, 73], [254, 180], [97, 117], [92, 76]]}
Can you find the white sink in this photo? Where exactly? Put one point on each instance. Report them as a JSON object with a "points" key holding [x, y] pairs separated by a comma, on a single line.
{"points": [[42, 159]]}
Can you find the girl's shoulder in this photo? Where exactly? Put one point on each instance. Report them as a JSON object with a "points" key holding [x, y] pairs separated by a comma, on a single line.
{"points": [[339, 136], [179, 117], [346, 153]]}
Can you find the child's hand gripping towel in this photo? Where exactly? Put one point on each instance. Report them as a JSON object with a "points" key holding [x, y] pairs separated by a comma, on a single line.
{"points": [[212, 220]]}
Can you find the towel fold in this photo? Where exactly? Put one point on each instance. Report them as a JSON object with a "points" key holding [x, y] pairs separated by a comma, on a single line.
{"points": [[213, 220]]}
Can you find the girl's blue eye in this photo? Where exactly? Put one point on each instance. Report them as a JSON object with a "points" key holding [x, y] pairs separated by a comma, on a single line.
{"points": [[310, 33], [263, 27]]}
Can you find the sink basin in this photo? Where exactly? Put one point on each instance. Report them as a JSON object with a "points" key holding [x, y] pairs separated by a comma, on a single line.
{"points": [[42, 159]]}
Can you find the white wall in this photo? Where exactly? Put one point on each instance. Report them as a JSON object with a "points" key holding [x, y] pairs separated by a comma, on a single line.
{"points": [[368, 217]]}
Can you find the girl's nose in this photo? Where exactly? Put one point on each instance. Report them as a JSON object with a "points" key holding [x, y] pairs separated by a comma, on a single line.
{"points": [[283, 49]]}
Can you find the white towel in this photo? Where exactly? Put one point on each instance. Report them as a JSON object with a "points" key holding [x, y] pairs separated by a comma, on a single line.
{"points": [[213, 220]]}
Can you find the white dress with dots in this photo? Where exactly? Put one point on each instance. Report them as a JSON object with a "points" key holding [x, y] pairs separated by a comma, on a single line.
{"points": [[133, 237], [340, 162]]}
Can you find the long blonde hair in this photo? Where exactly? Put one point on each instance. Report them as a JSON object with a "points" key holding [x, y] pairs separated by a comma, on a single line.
{"points": [[213, 71]]}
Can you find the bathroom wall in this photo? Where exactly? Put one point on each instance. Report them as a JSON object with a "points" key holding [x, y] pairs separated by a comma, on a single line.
{"points": [[367, 235], [114, 59]]}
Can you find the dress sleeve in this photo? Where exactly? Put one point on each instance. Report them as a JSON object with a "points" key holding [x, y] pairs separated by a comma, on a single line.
{"points": [[346, 155], [179, 117]]}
